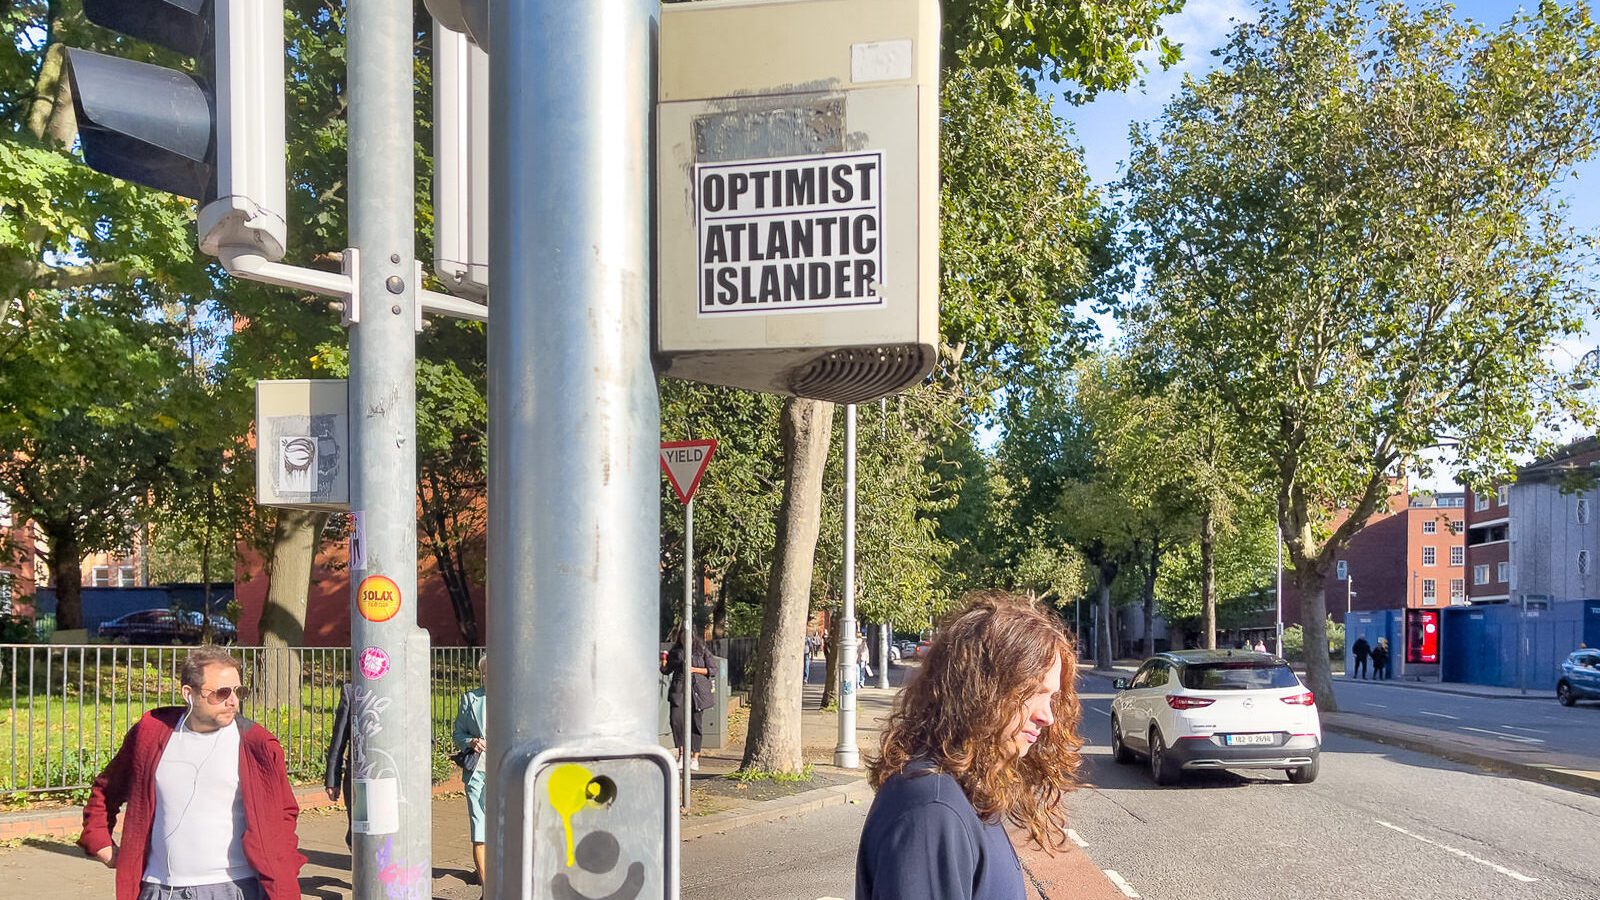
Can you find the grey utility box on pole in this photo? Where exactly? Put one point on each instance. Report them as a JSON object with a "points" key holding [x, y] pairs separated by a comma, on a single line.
{"points": [[460, 163], [798, 190]]}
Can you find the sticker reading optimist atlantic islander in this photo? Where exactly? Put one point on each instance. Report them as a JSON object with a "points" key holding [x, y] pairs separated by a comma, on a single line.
{"points": [[790, 235], [374, 663], [378, 598]]}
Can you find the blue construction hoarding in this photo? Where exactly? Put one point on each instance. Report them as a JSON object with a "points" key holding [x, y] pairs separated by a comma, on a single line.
{"points": [[1505, 646]]}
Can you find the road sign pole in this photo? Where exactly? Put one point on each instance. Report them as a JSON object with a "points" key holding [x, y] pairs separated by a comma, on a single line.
{"points": [[845, 754], [688, 644], [574, 419], [391, 745]]}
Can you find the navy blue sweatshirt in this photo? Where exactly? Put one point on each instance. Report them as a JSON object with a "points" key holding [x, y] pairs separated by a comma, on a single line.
{"points": [[924, 841]]}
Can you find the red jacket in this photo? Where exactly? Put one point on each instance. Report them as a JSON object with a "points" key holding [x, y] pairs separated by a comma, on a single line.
{"points": [[270, 808]]}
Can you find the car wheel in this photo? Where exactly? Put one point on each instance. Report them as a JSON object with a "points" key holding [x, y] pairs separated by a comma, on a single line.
{"points": [[1304, 774], [1565, 695], [1162, 767], [1119, 750]]}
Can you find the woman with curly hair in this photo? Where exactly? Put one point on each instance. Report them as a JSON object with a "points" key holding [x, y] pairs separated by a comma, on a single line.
{"points": [[985, 734]]}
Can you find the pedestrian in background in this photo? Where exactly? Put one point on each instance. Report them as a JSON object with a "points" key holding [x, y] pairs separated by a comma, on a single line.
{"points": [[807, 650], [210, 813], [1380, 660], [336, 768], [701, 664], [985, 734], [1359, 650], [471, 739]]}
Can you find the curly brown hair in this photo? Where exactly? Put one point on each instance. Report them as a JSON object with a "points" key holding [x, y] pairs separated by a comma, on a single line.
{"points": [[961, 713]]}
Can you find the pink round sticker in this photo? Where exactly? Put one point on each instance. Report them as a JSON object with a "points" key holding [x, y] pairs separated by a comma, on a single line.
{"points": [[374, 663]]}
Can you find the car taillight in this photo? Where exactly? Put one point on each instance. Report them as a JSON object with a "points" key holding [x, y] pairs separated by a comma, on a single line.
{"points": [[1179, 702], [1303, 699]]}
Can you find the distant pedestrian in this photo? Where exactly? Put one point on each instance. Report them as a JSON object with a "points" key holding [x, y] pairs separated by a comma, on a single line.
{"points": [[1261, 646], [471, 738], [1380, 660], [209, 810], [985, 734], [806, 649], [336, 768], [1359, 650], [701, 665]]}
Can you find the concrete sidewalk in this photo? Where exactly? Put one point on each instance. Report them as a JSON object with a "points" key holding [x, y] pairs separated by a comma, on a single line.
{"points": [[47, 867]]}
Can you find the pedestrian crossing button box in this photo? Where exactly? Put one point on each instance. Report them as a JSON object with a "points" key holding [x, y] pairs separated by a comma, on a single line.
{"points": [[798, 192]]}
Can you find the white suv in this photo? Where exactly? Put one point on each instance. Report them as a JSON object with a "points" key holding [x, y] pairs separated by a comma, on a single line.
{"points": [[1216, 709]]}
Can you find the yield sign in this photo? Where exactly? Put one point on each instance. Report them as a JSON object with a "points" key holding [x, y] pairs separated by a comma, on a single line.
{"points": [[685, 462]]}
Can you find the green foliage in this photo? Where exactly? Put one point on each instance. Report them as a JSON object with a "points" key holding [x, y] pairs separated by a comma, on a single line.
{"points": [[1294, 641], [1094, 45]]}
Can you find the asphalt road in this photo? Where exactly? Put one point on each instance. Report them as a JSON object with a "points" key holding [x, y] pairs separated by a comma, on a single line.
{"points": [[1536, 723], [1378, 823]]}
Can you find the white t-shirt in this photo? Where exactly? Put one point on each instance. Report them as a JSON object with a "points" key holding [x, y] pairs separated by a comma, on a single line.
{"points": [[198, 829]]}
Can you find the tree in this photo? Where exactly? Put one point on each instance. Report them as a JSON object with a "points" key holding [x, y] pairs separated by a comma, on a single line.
{"points": [[1351, 241]]}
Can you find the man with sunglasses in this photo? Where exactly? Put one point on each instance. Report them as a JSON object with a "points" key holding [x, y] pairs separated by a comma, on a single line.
{"points": [[210, 814]]}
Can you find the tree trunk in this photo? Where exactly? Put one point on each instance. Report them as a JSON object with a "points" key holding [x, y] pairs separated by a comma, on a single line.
{"points": [[1102, 641], [448, 547], [1314, 625], [295, 537], [716, 584], [66, 573], [774, 743], [1150, 599], [1208, 577]]}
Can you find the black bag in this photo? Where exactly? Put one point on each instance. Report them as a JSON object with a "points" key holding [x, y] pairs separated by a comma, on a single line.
{"points": [[466, 759]]}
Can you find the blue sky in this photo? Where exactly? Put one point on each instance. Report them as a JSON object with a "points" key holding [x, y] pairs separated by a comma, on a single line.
{"points": [[1101, 127]]}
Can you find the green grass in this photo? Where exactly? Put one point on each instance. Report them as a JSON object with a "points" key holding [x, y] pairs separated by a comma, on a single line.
{"points": [[750, 776]]}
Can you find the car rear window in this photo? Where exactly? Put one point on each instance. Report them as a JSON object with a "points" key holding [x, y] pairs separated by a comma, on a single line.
{"points": [[1237, 676]]}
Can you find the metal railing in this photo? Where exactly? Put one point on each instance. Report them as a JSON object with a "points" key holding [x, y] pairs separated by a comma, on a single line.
{"points": [[740, 652], [64, 709]]}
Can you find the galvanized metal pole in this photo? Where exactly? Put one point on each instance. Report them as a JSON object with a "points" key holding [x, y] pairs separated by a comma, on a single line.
{"points": [[883, 654], [1279, 650], [574, 420], [845, 754], [391, 746], [688, 646]]}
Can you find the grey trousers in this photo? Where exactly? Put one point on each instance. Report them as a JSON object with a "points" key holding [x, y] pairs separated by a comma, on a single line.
{"points": [[244, 889]]}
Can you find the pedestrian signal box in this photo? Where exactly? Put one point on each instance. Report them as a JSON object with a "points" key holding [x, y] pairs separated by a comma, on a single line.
{"points": [[798, 191], [595, 821]]}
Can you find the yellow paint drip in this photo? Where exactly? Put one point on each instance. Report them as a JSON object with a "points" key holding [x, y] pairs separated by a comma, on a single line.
{"points": [[569, 791]]}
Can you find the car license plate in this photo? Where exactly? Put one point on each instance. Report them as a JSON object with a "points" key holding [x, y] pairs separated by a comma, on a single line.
{"points": [[1250, 739]]}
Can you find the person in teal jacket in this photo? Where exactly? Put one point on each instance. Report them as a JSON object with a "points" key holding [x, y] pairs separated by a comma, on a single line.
{"points": [[469, 738]]}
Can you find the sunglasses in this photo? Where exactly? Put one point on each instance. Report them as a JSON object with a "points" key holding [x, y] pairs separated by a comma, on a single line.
{"points": [[223, 695]]}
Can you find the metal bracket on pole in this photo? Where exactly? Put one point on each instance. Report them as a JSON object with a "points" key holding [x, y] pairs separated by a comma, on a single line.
{"points": [[246, 262], [447, 304]]}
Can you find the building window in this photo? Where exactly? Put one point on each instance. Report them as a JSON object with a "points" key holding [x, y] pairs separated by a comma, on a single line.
{"points": [[1502, 572], [1341, 570], [1458, 590], [1480, 574], [5, 512], [1457, 527], [1583, 562], [1430, 527], [100, 576], [1502, 495], [5, 593], [1430, 592], [1430, 556], [1458, 556], [1480, 502], [1580, 510]]}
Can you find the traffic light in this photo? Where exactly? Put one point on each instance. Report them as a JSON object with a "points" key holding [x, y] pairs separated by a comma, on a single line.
{"points": [[216, 135], [460, 163]]}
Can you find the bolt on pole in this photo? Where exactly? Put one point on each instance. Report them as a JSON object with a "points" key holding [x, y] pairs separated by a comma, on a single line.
{"points": [[574, 430], [391, 755], [845, 753]]}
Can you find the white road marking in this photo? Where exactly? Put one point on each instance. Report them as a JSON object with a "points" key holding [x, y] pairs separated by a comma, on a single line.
{"points": [[1461, 853], [1502, 735], [1526, 728], [1439, 715], [1073, 836], [1103, 712], [1123, 886], [1378, 705]]}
